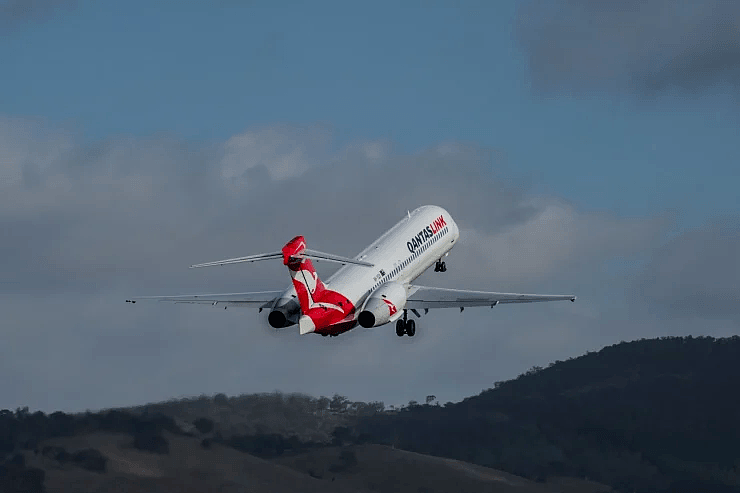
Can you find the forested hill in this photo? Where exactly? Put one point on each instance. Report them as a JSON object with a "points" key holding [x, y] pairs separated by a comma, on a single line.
{"points": [[649, 415], [660, 415]]}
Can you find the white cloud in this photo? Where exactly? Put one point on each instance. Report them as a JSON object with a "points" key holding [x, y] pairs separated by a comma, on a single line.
{"points": [[127, 216], [695, 274], [560, 238], [285, 152], [27, 152], [634, 45], [375, 151]]}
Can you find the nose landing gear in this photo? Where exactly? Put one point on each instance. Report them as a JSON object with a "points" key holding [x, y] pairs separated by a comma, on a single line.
{"points": [[440, 266], [405, 326]]}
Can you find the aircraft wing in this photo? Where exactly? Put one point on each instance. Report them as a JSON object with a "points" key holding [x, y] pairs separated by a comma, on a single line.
{"points": [[425, 297], [259, 299]]}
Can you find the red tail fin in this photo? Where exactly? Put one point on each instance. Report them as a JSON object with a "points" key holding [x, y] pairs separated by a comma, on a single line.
{"points": [[321, 307], [305, 279]]}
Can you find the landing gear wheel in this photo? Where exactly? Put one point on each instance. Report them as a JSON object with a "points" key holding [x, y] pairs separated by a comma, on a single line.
{"points": [[443, 267], [440, 266], [411, 328], [400, 328]]}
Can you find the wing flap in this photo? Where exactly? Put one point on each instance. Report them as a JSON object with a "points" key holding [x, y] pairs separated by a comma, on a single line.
{"points": [[428, 297]]}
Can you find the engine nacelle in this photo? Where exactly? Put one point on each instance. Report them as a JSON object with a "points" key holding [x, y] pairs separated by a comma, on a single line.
{"points": [[383, 303], [284, 313]]}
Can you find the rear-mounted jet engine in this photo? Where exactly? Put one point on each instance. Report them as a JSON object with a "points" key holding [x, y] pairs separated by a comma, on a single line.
{"points": [[384, 305], [284, 313]]}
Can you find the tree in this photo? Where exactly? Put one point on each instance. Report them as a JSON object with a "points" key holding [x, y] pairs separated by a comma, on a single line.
{"points": [[340, 435], [90, 459], [347, 459], [204, 425], [323, 403], [430, 399], [338, 404], [378, 406], [151, 441]]}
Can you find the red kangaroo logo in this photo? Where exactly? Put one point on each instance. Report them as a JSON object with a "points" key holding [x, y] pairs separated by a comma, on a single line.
{"points": [[391, 307]]}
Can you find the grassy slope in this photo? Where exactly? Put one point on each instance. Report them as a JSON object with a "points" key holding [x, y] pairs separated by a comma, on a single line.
{"points": [[187, 468], [190, 468], [382, 468]]}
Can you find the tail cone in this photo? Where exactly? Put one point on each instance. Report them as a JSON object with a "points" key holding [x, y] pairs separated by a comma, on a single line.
{"points": [[306, 325]]}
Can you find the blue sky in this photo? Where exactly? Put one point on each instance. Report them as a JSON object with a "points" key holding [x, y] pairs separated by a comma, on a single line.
{"points": [[137, 138], [416, 76]]}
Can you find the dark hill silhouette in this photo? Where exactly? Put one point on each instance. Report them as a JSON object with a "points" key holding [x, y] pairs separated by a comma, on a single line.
{"points": [[649, 415], [116, 450]]}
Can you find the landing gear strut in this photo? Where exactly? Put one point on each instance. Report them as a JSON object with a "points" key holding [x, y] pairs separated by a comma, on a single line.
{"points": [[440, 266], [405, 326]]}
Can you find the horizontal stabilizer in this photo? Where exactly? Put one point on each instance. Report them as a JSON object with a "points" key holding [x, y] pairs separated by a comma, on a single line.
{"points": [[238, 260], [312, 254]]}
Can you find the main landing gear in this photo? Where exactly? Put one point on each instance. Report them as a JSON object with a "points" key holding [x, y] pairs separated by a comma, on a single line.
{"points": [[405, 326], [440, 266]]}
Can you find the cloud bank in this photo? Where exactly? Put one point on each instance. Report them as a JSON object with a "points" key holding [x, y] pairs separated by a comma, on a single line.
{"points": [[696, 274], [14, 13], [642, 47], [87, 225]]}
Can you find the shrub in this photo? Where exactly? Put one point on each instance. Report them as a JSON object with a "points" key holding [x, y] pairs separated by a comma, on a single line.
{"points": [[56, 453], [341, 435], [18, 478], [151, 441], [90, 459], [18, 460], [347, 459], [204, 425]]}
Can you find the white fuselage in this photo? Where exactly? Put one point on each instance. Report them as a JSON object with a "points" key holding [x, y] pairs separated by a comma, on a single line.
{"points": [[372, 289], [401, 254]]}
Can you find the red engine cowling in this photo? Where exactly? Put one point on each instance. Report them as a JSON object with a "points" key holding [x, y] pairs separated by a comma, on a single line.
{"points": [[385, 302]]}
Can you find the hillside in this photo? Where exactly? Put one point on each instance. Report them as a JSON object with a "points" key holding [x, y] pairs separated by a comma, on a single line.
{"points": [[190, 467], [646, 416], [382, 468], [649, 415], [303, 416], [187, 467]]}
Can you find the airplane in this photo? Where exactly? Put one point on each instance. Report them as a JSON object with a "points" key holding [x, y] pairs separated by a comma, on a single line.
{"points": [[370, 290]]}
